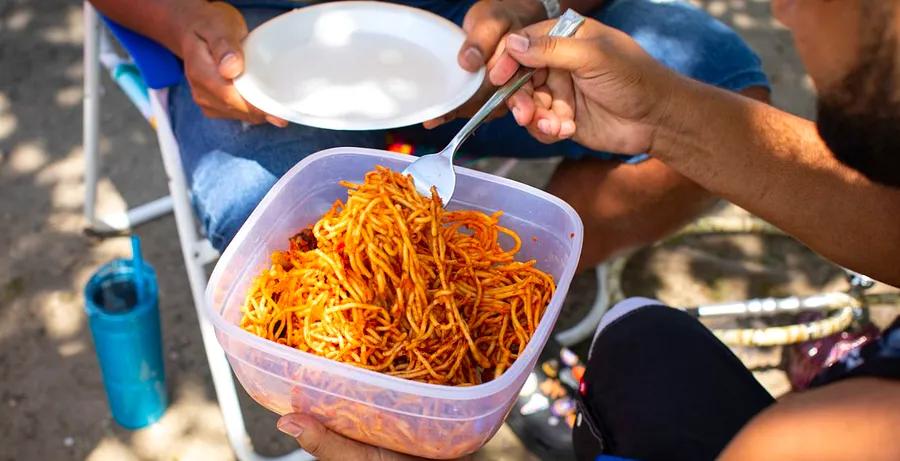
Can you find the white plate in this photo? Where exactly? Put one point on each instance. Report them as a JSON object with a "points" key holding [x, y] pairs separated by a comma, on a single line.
{"points": [[356, 66]]}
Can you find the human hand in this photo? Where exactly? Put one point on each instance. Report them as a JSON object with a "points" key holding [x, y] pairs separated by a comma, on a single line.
{"points": [[487, 23], [326, 445], [598, 87], [213, 57]]}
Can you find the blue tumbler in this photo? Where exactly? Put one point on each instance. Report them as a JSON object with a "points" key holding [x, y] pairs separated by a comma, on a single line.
{"points": [[123, 313]]}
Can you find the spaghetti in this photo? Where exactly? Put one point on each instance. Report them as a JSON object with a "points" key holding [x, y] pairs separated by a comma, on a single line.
{"points": [[392, 282]]}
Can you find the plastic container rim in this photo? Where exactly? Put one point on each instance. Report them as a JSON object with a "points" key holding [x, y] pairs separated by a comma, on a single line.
{"points": [[374, 377]]}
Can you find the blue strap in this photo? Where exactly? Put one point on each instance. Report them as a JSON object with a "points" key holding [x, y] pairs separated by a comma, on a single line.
{"points": [[159, 67]]}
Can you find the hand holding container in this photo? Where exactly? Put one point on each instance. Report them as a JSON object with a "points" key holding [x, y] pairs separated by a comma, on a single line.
{"points": [[421, 419]]}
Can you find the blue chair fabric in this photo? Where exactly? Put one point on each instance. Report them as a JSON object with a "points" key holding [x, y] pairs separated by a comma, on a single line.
{"points": [[159, 67]]}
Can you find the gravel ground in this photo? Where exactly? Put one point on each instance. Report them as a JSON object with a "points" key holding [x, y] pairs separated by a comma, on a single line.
{"points": [[52, 406]]}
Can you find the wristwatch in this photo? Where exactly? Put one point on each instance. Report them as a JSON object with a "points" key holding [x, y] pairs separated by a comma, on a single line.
{"points": [[552, 7]]}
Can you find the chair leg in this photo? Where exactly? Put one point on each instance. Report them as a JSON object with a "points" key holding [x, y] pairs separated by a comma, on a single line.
{"points": [[91, 108], [125, 221], [196, 252], [223, 381], [114, 222]]}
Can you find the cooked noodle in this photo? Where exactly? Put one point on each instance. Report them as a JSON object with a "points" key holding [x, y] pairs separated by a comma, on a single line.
{"points": [[392, 282]]}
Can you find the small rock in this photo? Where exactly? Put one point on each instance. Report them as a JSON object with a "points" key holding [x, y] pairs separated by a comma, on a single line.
{"points": [[69, 441]]}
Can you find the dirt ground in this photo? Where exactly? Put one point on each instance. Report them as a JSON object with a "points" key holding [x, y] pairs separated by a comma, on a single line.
{"points": [[52, 404]]}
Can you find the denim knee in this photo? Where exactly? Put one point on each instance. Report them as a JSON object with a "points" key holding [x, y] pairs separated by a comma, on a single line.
{"points": [[225, 189], [687, 40]]}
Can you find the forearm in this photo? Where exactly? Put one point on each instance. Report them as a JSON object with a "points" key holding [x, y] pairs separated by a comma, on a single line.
{"points": [[775, 165], [626, 206], [165, 21], [856, 418]]}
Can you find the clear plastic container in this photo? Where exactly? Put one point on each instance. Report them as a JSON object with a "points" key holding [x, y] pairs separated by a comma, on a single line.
{"points": [[422, 419]]}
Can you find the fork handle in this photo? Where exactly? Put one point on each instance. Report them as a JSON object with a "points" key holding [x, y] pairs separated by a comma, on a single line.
{"points": [[565, 26]]}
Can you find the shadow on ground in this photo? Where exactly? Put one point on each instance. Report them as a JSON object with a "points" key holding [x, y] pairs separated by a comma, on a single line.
{"points": [[50, 389]]}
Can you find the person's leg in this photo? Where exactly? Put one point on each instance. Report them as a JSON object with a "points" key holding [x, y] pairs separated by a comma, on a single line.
{"points": [[230, 166], [626, 205], [659, 385]]}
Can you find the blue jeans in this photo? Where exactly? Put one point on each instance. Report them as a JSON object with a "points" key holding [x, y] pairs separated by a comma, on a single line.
{"points": [[230, 167]]}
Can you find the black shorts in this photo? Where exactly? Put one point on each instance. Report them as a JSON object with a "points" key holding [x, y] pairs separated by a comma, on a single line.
{"points": [[659, 385]]}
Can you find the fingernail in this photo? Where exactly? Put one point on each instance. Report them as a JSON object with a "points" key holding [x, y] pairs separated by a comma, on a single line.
{"points": [[544, 126], [517, 43], [229, 59], [473, 58], [289, 427], [566, 129], [516, 111]]}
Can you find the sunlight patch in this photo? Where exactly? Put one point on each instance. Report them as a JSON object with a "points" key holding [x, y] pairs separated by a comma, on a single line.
{"points": [[745, 21], [27, 157], [69, 96], [61, 314], [191, 428], [18, 20], [111, 449], [717, 8], [70, 32], [8, 121], [70, 348]]}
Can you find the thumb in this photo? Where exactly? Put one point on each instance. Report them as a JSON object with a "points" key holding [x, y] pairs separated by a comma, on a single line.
{"points": [[484, 26], [569, 54], [318, 440], [223, 36]]}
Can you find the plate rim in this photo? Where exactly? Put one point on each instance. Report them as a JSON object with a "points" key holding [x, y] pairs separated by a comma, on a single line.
{"points": [[247, 86]]}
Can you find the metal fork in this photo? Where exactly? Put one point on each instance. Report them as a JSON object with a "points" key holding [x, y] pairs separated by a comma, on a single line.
{"points": [[437, 169]]}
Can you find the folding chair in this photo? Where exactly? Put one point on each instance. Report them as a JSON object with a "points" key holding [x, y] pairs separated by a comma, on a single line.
{"points": [[145, 77], [147, 90]]}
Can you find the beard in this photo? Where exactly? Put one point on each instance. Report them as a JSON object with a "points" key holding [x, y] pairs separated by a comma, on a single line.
{"points": [[866, 142], [859, 119]]}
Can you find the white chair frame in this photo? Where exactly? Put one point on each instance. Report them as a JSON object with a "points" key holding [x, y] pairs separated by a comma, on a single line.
{"points": [[196, 249]]}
